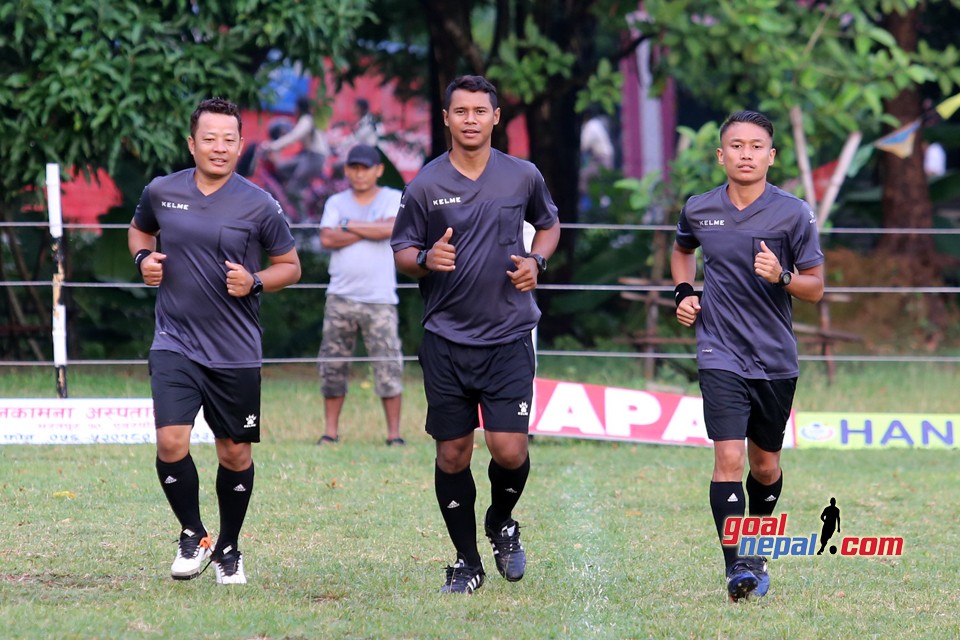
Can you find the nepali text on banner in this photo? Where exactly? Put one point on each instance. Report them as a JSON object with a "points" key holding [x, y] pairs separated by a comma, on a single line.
{"points": [[84, 421]]}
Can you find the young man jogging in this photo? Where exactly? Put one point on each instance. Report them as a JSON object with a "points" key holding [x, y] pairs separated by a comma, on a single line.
{"points": [[760, 249], [459, 232]]}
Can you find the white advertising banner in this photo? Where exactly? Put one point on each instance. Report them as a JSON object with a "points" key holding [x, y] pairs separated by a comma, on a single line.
{"points": [[84, 421]]}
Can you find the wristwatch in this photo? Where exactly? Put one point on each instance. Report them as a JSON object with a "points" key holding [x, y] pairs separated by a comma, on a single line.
{"points": [[344, 224], [422, 259], [257, 287], [785, 278], [541, 262]]}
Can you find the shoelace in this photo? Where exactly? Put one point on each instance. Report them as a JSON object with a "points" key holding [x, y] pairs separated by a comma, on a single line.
{"points": [[229, 564], [190, 546], [510, 544]]}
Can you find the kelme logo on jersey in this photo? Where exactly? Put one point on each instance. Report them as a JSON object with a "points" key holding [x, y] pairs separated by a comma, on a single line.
{"points": [[439, 202], [174, 205], [712, 223]]}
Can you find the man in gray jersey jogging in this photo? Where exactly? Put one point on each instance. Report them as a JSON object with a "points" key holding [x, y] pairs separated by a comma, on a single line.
{"points": [[459, 233], [760, 249], [214, 227]]}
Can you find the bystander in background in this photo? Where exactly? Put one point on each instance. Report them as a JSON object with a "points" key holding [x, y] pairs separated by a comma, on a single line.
{"points": [[362, 295]]}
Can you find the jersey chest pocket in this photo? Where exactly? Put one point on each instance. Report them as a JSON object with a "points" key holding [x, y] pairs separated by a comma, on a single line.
{"points": [[775, 244], [509, 221], [233, 244]]}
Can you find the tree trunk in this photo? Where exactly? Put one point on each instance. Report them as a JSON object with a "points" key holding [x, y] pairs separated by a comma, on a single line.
{"points": [[906, 196], [553, 125], [450, 43], [20, 321], [553, 130], [556, 153]]}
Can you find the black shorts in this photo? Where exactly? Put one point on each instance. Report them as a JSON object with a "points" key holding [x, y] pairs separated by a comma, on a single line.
{"points": [[735, 408], [230, 397], [458, 379]]}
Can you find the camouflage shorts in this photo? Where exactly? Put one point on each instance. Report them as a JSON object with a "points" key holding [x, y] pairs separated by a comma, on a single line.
{"points": [[342, 319]]}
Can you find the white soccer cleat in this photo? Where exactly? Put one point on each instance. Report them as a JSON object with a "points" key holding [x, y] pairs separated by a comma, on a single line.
{"points": [[229, 566], [191, 553]]}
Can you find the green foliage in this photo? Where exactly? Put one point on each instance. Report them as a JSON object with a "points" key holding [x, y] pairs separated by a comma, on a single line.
{"points": [[90, 84], [604, 87], [830, 59], [111, 85], [692, 171], [527, 64], [527, 47]]}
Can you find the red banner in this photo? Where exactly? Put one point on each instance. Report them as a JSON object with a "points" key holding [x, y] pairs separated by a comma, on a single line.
{"points": [[609, 413]]}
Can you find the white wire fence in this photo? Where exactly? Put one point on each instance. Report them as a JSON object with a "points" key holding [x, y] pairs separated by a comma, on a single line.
{"points": [[558, 287]]}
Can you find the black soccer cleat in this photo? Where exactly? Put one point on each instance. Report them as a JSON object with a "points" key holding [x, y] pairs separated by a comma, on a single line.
{"points": [[462, 578], [507, 550]]}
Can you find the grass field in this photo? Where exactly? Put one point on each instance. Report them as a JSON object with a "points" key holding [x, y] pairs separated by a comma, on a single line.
{"points": [[346, 541]]}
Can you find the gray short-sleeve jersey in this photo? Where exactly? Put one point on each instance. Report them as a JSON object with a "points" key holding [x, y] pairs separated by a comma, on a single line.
{"points": [[476, 304], [195, 316], [745, 323]]}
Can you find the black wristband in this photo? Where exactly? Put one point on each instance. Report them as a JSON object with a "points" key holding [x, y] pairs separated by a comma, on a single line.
{"points": [[137, 259], [683, 290]]}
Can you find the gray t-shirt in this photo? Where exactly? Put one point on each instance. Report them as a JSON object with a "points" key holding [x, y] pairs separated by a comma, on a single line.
{"points": [[746, 324], [476, 304], [363, 271], [195, 316]]}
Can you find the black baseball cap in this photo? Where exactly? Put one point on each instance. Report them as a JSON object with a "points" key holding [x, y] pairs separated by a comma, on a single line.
{"points": [[364, 154]]}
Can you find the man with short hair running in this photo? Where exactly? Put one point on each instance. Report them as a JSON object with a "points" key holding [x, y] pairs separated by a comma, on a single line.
{"points": [[459, 232], [213, 226], [753, 237]]}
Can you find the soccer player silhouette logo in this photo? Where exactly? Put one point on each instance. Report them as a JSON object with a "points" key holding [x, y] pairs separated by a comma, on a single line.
{"points": [[831, 520]]}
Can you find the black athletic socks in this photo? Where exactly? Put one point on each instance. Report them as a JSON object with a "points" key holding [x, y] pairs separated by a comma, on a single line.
{"points": [[181, 485], [726, 500], [506, 486], [763, 497], [233, 495], [457, 497]]}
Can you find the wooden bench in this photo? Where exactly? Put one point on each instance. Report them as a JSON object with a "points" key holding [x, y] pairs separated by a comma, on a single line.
{"points": [[821, 334]]}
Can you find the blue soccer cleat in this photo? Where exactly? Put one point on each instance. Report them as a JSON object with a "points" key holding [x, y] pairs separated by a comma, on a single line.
{"points": [[758, 565], [741, 581]]}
